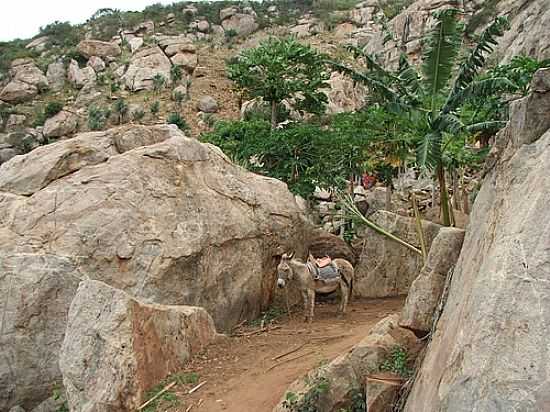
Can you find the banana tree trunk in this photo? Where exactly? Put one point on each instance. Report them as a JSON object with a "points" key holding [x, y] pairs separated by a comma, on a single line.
{"points": [[456, 190], [388, 196], [444, 196], [273, 115]]}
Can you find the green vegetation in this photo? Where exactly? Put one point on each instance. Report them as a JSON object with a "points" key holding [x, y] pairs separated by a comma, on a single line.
{"points": [[296, 154], [268, 316], [176, 73], [433, 100], [158, 83], [52, 108], [281, 69], [178, 120], [120, 107], [168, 398], [309, 401], [97, 117], [155, 108], [398, 362]]}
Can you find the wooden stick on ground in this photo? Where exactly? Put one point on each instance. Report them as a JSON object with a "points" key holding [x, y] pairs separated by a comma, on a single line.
{"points": [[330, 337], [289, 360], [196, 388], [157, 395], [282, 355], [189, 408], [258, 331]]}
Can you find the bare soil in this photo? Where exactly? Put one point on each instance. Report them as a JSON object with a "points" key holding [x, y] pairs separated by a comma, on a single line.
{"points": [[249, 371]]}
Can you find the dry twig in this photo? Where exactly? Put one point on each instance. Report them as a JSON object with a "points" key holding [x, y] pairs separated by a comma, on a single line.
{"points": [[170, 385]]}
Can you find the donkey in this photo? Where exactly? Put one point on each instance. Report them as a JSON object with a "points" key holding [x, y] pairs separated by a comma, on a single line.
{"points": [[292, 270]]}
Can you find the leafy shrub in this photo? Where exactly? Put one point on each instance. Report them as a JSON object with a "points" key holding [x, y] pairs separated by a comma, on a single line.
{"points": [[302, 155], [397, 362], [154, 108], [97, 117], [178, 97], [120, 107], [10, 51], [52, 108], [176, 73], [62, 34], [310, 400], [138, 115], [175, 118], [158, 82]]}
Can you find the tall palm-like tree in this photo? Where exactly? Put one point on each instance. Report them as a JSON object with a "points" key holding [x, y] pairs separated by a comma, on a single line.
{"points": [[434, 96]]}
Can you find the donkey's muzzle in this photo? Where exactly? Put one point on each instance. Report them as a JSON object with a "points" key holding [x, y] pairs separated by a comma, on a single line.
{"points": [[280, 283]]}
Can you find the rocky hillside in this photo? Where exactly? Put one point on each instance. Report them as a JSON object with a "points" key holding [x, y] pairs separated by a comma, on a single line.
{"points": [[117, 228], [168, 63]]}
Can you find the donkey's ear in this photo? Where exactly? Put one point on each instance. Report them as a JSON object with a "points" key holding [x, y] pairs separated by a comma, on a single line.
{"points": [[291, 255]]}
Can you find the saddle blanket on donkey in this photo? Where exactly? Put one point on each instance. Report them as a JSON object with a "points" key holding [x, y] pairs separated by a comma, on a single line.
{"points": [[323, 269]]}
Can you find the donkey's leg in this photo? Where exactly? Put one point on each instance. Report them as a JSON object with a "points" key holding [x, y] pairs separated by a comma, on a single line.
{"points": [[306, 306], [344, 295], [311, 297]]}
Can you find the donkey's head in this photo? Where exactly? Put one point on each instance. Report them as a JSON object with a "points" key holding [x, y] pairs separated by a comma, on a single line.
{"points": [[284, 271]]}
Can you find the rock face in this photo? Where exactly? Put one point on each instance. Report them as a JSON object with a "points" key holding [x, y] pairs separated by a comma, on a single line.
{"points": [[489, 351], [172, 223], [207, 104], [241, 24], [343, 95], [80, 77], [62, 124], [412, 23], [116, 348], [26, 82], [144, 65], [385, 268], [56, 75], [426, 289], [89, 48]]}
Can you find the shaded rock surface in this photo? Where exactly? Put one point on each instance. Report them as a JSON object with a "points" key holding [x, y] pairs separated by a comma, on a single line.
{"points": [[489, 351], [62, 124], [116, 348], [144, 65], [174, 222], [89, 48], [426, 289], [384, 267]]}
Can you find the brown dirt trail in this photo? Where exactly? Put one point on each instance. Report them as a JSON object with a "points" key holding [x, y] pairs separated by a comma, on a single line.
{"points": [[241, 375]]}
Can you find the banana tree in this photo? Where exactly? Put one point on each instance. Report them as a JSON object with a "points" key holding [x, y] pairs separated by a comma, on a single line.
{"points": [[433, 97]]}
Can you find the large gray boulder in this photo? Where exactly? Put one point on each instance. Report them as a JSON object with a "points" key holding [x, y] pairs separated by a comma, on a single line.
{"points": [[79, 77], [145, 64], [241, 24], [426, 289], [27, 81], [116, 347], [490, 349], [384, 267], [63, 123], [56, 75], [89, 48], [144, 209]]}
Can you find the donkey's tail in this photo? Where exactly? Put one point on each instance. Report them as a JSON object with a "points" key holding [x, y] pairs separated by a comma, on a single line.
{"points": [[350, 293]]}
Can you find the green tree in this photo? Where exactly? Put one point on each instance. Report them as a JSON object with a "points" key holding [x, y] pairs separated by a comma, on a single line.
{"points": [[159, 82], [155, 108], [434, 98], [178, 120], [282, 69], [120, 107], [176, 73]]}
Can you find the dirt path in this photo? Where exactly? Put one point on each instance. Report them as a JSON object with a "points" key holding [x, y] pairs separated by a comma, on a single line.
{"points": [[241, 375]]}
